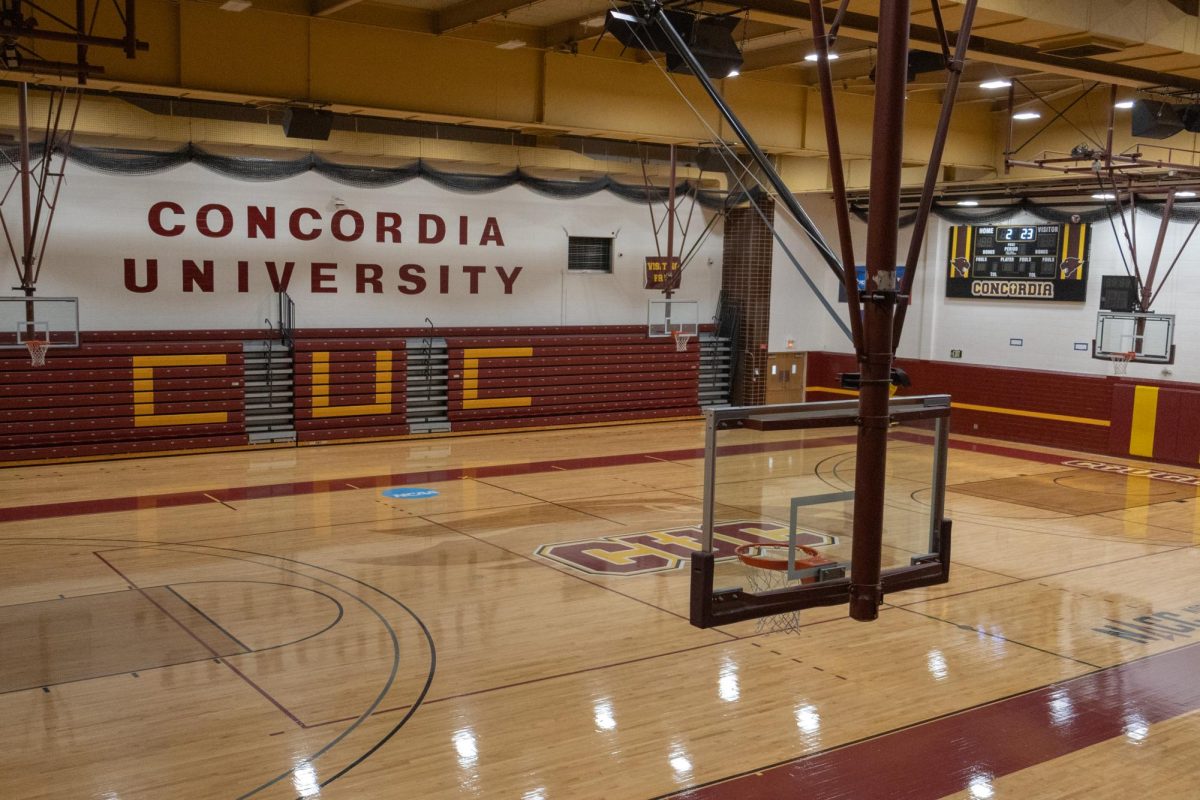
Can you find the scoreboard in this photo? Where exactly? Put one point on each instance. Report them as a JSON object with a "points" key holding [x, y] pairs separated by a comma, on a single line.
{"points": [[1019, 262]]}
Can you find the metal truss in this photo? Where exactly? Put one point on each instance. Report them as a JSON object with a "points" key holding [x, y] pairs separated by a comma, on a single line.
{"points": [[28, 25]]}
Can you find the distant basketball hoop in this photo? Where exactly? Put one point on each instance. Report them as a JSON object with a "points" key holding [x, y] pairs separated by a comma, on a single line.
{"points": [[37, 351], [681, 340], [1120, 361]]}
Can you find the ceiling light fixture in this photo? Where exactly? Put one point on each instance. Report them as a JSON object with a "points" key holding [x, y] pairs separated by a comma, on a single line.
{"points": [[968, 203], [733, 73], [511, 44], [1123, 104], [235, 5], [1027, 115], [1185, 194], [998, 83], [814, 57], [1104, 196]]}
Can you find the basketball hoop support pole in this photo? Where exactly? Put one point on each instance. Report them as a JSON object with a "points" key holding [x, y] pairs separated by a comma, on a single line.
{"points": [[879, 306]]}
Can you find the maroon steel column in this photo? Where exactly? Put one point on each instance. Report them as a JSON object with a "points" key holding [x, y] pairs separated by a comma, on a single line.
{"points": [[879, 304]]}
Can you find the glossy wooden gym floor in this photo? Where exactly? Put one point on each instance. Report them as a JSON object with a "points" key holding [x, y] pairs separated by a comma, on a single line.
{"points": [[267, 624]]}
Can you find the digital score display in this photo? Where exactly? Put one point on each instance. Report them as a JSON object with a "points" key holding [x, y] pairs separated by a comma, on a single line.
{"points": [[1019, 262]]}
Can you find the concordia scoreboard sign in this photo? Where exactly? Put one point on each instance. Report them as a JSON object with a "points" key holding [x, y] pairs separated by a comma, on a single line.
{"points": [[1019, 262]]}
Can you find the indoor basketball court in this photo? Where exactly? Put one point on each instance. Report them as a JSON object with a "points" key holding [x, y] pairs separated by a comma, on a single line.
{"points": [[634, 401]]}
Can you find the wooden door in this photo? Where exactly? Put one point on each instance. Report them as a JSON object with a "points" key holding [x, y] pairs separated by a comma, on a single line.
{"points": [[785, 378]]}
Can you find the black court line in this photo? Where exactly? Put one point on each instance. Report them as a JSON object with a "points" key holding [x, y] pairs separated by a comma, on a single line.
{"points": [[210, 620], [286, 712], [63, 541]]}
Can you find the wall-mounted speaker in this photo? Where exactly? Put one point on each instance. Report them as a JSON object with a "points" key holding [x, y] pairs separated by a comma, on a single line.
{"points": [[1154, 120], [710, 38], [1118, 293], [307, 123], [712, 42], [1190, 116]]}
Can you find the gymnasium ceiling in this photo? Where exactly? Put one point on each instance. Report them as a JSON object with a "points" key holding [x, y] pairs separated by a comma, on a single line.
{"points": [[1015, 37], [541, 68]]}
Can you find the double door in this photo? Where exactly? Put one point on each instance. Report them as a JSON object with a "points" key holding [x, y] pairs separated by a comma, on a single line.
{"points": [[785, 378]]}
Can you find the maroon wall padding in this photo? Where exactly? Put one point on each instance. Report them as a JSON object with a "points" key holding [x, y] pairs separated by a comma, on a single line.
{"points": [[570, 379], [508, 330], [574, 419], [1034, 391], [1176, 421], [351, 382], [82, 403], [1122, 419], [1177, 427]]}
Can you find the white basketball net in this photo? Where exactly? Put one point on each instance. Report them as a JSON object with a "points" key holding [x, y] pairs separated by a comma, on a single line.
{"points": [[764, 580], [1120, 362], [681, 340], [37, 351]]}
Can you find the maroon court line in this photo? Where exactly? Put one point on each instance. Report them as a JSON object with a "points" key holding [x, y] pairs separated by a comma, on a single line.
{"points": [[972, 748], [173, 499], [216, 656]]}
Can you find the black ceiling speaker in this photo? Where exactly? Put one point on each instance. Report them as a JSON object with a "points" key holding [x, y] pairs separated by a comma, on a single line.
{"points": [[918, 61], [1155, 120], [1190, 116], [307, 123], [632, 30], [710, 38], [712, 42]]}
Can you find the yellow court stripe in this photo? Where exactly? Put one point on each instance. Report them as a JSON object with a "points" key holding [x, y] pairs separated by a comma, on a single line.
{"points": [[497, 352], [181, 419], [352, 411], [832, 390], [1013, 412], [499, 402], [194, 360], [1145, 415], [1017, 412]]}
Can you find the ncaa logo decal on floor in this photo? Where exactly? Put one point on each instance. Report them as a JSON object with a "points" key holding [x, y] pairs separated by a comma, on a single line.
{"points": [[659, 551], [409, 493]]}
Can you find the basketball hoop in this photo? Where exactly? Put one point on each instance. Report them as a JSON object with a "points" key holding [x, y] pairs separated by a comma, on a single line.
{"points": [[767, 569], [1120, 361], [681, 340], [37, 351]]}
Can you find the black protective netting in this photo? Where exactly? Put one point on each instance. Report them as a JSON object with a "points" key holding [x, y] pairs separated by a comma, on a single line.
{"points": [[1184, 211], [119, 161]]}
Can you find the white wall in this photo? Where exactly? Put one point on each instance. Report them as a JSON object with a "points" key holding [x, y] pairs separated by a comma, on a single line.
{"points": [[103, 220], [795, 312], [982, 328]]}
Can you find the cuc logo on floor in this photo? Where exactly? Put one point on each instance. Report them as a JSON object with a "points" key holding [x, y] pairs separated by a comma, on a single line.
{"points": [[662, 550]]}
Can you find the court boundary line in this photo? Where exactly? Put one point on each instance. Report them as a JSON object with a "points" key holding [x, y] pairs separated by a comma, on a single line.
{"points": [[693, 791]]}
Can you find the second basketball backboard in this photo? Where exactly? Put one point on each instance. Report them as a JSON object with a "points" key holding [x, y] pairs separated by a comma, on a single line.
{"points": [[785, 475], [51, 319]]}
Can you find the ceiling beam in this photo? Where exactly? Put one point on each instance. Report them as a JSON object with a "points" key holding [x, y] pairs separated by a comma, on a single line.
{"points": [[470, 12], [1187, 6], [325, 8], [864, 26]]}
